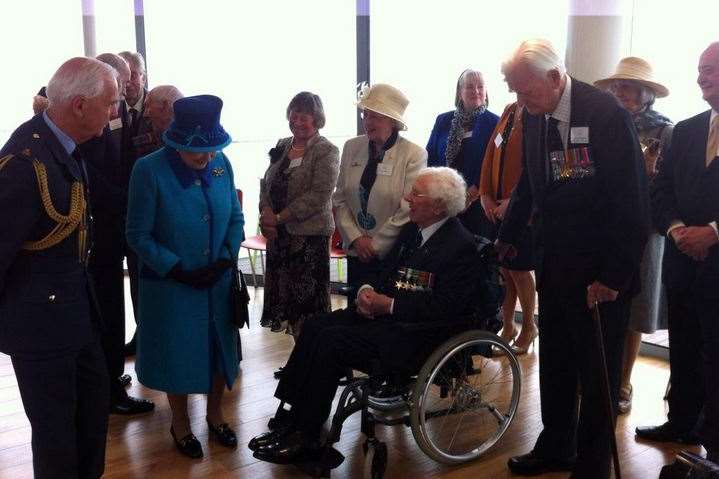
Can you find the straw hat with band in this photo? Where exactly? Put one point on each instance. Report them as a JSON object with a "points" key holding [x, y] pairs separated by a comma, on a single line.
{"points": [[638, 70], [385, 100], [196, 127]]}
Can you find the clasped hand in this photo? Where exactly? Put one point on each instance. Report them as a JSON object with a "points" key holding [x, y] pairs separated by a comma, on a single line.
{"points": [[371, 303], [599, 293], [363, 247], [200, 278], [268, 223], [695, 241]]}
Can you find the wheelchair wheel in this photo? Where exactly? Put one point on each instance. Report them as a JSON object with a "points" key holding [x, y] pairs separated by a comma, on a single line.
{"points": [[375, 459], [465, 397]]}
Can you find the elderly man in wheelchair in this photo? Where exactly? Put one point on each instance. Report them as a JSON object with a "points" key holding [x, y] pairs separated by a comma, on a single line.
{"points": [[424, 305]]}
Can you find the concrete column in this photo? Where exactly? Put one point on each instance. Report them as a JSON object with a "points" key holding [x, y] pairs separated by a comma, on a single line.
{"points": [[140, 33], [362, 34], [598, 35], [88, 28]]}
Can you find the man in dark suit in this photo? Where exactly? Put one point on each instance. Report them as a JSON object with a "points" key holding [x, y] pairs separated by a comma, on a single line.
{"points": [[136, 125], [108, 195], [49, 322], [584, 186], [685, 204], [431, 276]]}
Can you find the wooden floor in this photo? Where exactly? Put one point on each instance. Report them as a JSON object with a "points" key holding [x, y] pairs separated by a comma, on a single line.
{"points": [[141, 447]]}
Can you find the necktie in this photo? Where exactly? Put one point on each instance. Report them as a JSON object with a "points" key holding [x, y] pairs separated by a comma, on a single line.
{"points": [[713, 140], [133, 117], [554, 139]]}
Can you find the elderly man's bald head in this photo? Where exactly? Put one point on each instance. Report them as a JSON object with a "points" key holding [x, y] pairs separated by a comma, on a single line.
{"points": [[158, 106]]}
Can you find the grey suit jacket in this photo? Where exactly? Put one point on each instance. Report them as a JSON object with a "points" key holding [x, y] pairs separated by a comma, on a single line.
{"points": [[310, 187]]}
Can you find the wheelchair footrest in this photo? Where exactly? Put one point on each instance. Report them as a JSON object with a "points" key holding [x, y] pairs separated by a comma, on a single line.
{"points": [[321, 464]]}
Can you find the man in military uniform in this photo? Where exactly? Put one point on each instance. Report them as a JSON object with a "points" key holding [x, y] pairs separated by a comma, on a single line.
{"points": [[49, 322]]}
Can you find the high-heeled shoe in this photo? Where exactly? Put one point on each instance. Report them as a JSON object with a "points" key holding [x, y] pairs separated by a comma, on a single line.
{"points": [[520, 349], [509, 338]]}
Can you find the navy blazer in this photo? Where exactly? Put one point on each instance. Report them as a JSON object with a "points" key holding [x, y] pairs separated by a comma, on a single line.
{"points": [[437, 144], [589, 228], [686, 190], [44, 300]]}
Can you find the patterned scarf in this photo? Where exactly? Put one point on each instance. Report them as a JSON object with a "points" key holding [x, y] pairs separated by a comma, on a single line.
{"points": [[649, 119], [462, 121]]}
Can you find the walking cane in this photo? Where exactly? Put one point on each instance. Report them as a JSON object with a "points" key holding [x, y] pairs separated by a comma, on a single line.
{"points": [[604, 384]]}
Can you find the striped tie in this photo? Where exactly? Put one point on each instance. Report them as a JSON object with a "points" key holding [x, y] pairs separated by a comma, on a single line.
{"points": [[713, 140]]}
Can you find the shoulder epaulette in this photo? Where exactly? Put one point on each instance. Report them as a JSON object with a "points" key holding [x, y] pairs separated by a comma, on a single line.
{"points": [[4, 160]]}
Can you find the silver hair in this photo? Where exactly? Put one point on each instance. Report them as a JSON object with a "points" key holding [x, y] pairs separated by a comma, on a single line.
{"points": [[448, 186], [79, 76], [647, 96], [538, 54], [115, 61], [166, 93], [134, 59]]}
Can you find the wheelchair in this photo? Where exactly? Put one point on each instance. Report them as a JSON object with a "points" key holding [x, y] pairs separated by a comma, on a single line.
{"points": [[458, 399], [458, 405]]}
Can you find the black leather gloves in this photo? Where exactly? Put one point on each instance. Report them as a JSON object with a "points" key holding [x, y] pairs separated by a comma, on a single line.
{"points": [[200, 278]]}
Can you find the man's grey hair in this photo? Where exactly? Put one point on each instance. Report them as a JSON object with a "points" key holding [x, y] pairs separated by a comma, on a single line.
{"points": [[115, 61], [166, 93], [447, 186], [135, 59], [79, 76], [538, 54]]}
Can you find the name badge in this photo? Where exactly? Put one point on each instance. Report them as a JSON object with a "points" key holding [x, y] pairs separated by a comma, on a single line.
{"points": [[467, 134], [115, 124], [579, 134], [384, 170], [295, 163], [498, 140]]}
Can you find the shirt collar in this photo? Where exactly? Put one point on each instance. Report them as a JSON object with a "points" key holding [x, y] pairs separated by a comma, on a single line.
{"points": [[137, 106], [431, 229], [713, 115], [67, 143], [186, 175], [563, 111]]}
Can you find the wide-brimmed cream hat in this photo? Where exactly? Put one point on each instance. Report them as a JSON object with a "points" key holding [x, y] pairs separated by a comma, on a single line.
{"points": [[637, 69], [383, 99]]}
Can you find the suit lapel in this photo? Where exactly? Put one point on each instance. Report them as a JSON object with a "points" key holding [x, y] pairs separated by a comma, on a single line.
{"points": [[700, 136]]}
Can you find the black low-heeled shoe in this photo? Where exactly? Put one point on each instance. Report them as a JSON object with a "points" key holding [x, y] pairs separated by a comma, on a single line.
{"points": [[188, 445], [269, 437], [287, 449], [224, 434]]}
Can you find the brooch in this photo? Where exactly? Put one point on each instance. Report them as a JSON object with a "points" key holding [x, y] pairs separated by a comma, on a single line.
{"points": [[219, 171]]}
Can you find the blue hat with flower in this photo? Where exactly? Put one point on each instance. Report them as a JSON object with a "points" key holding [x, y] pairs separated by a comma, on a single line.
{"points": [[196, 127]]}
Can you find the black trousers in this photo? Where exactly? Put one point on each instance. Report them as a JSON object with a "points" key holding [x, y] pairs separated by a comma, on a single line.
{"points": [[66, 400], [693, 361], [109, 282], [568, 360]]}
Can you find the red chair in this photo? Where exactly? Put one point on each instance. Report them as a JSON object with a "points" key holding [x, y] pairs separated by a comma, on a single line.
{"points": [[253, 245]]}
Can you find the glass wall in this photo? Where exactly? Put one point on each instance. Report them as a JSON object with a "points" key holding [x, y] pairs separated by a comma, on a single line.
{"points": [[30, 59], [114, 26], [671, 36], [421, 47], [256, 56]]}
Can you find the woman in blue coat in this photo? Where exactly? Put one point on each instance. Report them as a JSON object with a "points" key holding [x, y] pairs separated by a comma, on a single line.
{"points": [[458, 140], [185, 224]]}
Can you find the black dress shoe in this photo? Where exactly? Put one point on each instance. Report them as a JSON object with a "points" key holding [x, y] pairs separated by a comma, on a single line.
{"points": [[287, 449], [667, 433], [125, 380], [223, 433], [188, 445], [532, 464], [130, 405], [269, 437]]}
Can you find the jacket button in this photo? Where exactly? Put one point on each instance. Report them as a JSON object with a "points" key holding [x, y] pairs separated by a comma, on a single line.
{"points": [[51, 298], [206, 252], [198, 182], [206, 217]]}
